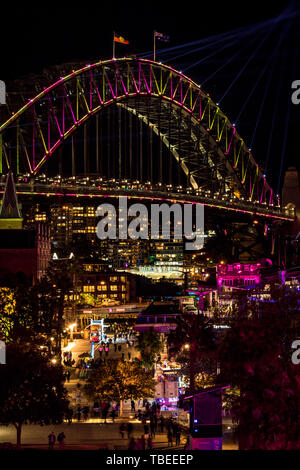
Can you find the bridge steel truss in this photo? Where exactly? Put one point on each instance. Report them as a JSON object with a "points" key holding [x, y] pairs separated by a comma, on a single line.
{"points": [[205, 145]]}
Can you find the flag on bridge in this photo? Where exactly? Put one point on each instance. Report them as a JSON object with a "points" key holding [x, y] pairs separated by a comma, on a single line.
{"points": [[161, 37], [120, 39]]}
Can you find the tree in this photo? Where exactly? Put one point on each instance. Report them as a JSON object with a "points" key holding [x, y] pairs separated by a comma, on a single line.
{"points": [[193, 342], [117, 381], [31, 389], [149, 345], [255, 358], [28, 313]]}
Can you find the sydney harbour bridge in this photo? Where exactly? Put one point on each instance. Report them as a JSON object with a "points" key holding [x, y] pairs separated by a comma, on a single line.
{"points": [[138, 128]]}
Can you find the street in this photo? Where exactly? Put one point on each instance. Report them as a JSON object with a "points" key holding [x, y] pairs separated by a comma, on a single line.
{"points": [[87, 436]]}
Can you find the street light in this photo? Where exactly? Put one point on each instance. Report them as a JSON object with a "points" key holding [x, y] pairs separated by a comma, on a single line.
{"points": [[71, 327]]}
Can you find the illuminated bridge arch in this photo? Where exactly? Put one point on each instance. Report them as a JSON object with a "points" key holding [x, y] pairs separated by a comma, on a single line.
{"points": [[204, 143]]}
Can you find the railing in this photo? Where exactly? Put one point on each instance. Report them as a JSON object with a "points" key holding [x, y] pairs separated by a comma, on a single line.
{"points": [[88, 186]]}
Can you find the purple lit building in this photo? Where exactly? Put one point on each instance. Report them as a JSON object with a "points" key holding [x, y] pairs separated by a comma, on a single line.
{"points": [[239, 275]]}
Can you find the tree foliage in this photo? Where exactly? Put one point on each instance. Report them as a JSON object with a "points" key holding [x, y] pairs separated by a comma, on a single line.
{"points": [[150, 345], [118, 380], [31, 389], [193, 343]]}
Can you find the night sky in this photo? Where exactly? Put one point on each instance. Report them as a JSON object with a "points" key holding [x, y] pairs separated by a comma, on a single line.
{"points": [[33, 38]]}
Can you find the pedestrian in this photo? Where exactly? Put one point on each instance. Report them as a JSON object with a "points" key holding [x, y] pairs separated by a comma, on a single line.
{"points": [[146, 429], [129, 429], [105, 413], [177, 436], [51, 439], [170, 437], [122, 430], [69, 415], [113, 415], [150, 443], [61, 439], [85, 413], [155, 422], [132, 405], [152, 428], [143, 442], [68, 376], [162, 424], [132, 444]]}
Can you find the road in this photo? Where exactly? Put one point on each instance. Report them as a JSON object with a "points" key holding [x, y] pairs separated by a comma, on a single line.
{"points": [[86, 436]]}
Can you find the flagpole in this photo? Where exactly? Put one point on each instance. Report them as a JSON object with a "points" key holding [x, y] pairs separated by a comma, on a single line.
{"points": [[154, 51], [114, 46]]}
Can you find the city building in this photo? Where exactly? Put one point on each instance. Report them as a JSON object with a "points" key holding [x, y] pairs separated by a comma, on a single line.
{"points": [[238, 275], [25, 250], [101, 287], [159, 316]]}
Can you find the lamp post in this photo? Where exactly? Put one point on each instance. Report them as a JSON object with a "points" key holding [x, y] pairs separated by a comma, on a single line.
{"points": [[71, 327]]}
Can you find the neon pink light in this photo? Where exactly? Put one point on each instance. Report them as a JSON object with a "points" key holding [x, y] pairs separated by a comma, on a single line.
{"points": [[139, 77], [71, 109], [145, 81], [134, 82], [262, 192], [233, 133]]}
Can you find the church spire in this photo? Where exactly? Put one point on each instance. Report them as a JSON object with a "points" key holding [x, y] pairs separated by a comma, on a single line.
{"points": [[10, 215]]}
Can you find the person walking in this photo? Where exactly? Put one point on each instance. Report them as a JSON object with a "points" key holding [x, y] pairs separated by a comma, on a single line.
{"points": [[69, 415], [113, 415], [51, 439], [61, 440], [132, 444], [129, 429], [177, 436], [162, 424], [150, 443], [170, 437], [85, 412], [122, 430], [152, 428]]}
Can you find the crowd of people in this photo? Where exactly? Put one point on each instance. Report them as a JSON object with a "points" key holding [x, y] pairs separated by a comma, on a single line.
{"points": [[145, 442]]}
